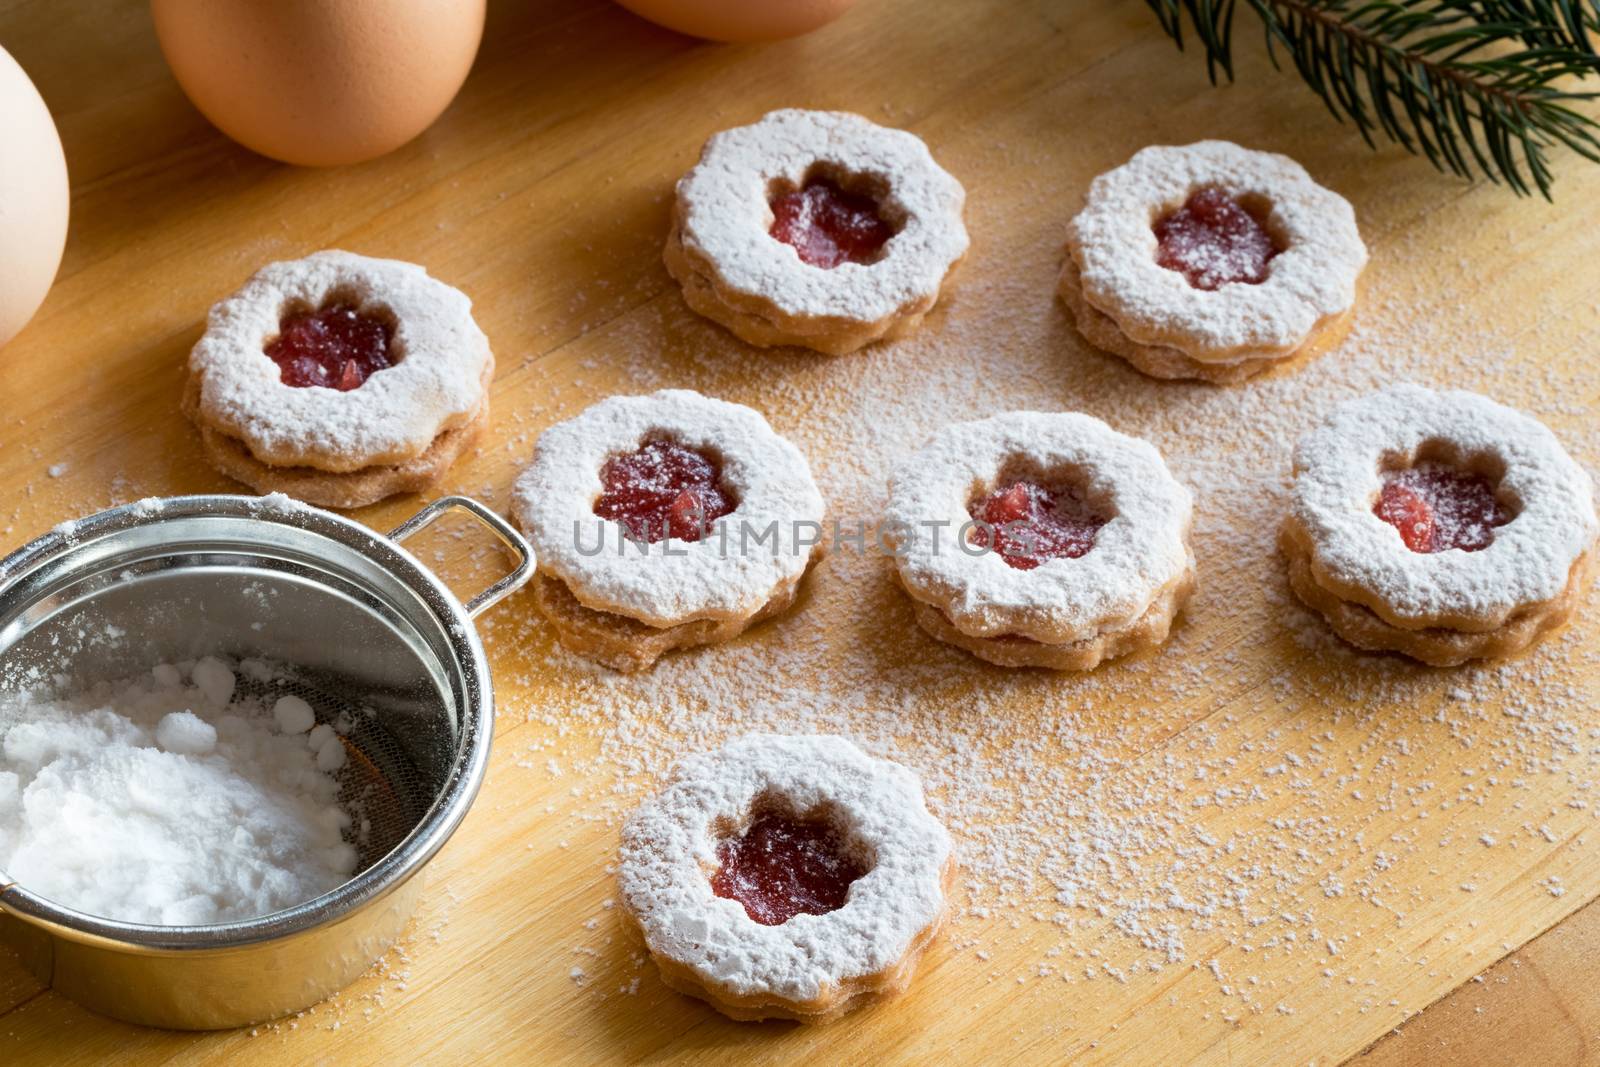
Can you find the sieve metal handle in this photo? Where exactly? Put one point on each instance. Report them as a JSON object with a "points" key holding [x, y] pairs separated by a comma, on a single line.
{"points": [[498, 526]]}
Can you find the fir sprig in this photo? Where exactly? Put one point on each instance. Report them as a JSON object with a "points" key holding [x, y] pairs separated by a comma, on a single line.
{"points": [[1476, 86]]}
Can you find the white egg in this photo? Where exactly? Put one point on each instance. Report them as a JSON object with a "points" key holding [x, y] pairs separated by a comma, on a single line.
{"points": [[33, 199]]}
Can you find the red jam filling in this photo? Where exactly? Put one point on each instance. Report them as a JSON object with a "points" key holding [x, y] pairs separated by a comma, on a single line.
{"points": [[1028, 524], [337, 347], [662, 490], [1213, 241], [1436, 508], [782, 867], [829, 226]]}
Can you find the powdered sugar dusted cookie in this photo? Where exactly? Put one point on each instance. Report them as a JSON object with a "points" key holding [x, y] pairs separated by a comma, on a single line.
{"points": [[664, 521], [1439, 524], [1042, 539], [815, 228], [1211, 261], [786, 877], [339, 379]]}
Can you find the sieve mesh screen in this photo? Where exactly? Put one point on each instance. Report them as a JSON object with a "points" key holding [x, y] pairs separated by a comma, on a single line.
{"points": [[381, 785]]}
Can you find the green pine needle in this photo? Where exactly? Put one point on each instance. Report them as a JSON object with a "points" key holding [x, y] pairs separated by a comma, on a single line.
{"points": [[1477, 86]]}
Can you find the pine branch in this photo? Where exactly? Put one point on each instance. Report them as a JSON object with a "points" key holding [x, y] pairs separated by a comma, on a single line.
{"points": [[1562, 23], [1476, 86]]}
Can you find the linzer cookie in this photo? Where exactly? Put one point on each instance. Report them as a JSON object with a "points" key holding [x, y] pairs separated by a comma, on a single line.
{"points": [[1042, 539], [786, 877], [339, 379], [815, 228], [1212, 261], [1438, 524], [665, 521]]}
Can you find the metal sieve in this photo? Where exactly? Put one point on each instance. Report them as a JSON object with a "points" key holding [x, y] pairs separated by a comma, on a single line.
{"points": [[372, 640]]}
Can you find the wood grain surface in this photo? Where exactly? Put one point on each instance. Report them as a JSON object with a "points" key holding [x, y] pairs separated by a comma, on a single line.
{"points": [[544, 193]]}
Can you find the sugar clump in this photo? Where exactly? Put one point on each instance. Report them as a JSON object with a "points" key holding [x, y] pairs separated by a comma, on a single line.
{"points": [[294, 715]]}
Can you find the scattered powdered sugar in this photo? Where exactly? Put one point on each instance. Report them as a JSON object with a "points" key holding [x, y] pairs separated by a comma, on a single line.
{"points": [[671, 841], [164, 800], [726, 216]]}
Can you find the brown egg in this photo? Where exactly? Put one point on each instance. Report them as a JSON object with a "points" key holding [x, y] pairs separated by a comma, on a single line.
{"points": [[33, 199], [740, 20], [315, 82]]}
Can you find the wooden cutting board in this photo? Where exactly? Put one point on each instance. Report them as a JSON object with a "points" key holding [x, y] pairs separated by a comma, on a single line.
{"points": [[1402, 837]]}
